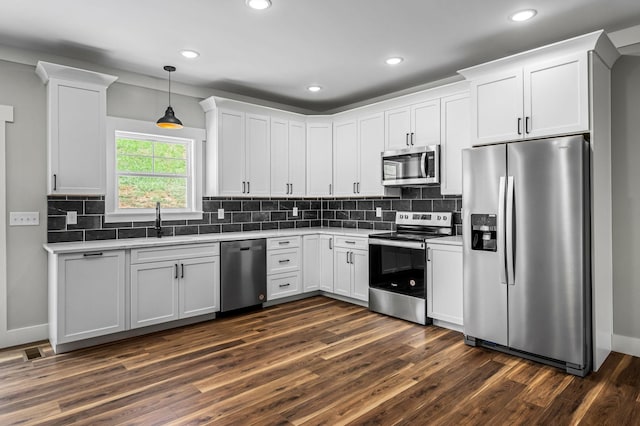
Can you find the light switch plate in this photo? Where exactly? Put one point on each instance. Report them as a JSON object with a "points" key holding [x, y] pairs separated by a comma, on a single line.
{"points": [[378, 211], [72, 218], [24, 218], [295, 211], [220, 213]]}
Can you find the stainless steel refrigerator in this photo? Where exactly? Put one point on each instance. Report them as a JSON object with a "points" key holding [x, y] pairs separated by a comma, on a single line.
{"points": [[526, 235]]}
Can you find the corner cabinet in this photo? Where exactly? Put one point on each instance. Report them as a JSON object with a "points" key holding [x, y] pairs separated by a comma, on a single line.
{"points": [[76, 128], [86, 295], [317, 264], [540, 98], [170, 283]]}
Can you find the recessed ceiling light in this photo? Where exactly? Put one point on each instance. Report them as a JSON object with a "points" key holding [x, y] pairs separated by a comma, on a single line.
{"points": [[523, 15], [314, 88], [394, 61], [189, 53], [259, 4]]}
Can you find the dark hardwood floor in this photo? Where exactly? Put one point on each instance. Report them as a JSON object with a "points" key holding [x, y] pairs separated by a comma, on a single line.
{"points": [[313, 362]]}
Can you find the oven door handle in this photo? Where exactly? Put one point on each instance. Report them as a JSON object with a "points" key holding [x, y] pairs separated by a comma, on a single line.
{"points": [[394, 243]]}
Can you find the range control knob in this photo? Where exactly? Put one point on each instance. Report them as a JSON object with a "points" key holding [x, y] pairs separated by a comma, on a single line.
{"points": [[439, 217]]}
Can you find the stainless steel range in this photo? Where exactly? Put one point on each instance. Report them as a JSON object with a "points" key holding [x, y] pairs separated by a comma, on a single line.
{"points": [[397, 265]]}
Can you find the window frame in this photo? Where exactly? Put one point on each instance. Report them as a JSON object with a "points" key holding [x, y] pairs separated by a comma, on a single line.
{"points": [[193, 137]]}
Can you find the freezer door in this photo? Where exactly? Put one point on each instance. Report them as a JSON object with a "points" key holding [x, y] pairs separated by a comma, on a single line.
{"points": [[485, 296], [547, 246]]}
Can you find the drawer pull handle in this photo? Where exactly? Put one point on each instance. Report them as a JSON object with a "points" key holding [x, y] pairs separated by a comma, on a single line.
{"points": [[284, 242], [284, 285], [284, 260], [350, 242], [92, 254]]}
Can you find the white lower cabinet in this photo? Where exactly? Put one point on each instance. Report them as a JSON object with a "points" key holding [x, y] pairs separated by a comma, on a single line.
{"points": [[182, 287], [86, 295], [326, 262], [284, 270], [351, 268], [444, 282], [317, 265]]}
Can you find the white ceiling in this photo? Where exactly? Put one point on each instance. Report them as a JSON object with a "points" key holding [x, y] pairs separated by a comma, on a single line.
{"points": [[276, 53]]}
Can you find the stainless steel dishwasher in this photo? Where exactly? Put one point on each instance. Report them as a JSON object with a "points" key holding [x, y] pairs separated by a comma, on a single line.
{"points": [[243, 274]]}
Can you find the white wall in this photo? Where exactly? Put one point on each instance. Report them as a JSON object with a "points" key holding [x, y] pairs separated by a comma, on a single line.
{"points": [[625, 117], [26, 181]]}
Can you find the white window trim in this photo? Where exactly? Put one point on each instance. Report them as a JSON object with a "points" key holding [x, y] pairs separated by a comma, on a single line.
{"points": [[144, 127]]}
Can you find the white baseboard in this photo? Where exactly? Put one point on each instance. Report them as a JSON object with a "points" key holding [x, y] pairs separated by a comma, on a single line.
{"points": [[22, 336], [626, 345]]}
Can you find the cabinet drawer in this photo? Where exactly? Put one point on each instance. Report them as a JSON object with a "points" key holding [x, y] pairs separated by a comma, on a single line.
{"points": [[352, 242], [283, 261], [283, 285], [155, 254], [283, 242]]}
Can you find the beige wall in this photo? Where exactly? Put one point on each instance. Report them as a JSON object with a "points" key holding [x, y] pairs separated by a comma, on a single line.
{"points": [[26, 157], [625, 117]]}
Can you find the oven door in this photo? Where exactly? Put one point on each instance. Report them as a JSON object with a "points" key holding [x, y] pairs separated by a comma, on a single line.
{"points": [[398, 267]]}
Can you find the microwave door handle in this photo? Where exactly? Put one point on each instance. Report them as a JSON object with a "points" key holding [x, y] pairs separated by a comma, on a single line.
{"points": [[423, 165]]}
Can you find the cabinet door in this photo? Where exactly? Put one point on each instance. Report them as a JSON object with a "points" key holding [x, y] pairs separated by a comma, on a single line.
{"points": [[326, 263], [345, 160], [231, 152], [425, 123], [360, 266], [77, 139], [154, 293], [297, 157], [444, 283], [556, 97], [497, 108], [342, 271], [398, 128], [199, 286], [371, 135], [319, 159], [310, 263], [279, 157], [91, 299], [455, 117], [257, 155]]}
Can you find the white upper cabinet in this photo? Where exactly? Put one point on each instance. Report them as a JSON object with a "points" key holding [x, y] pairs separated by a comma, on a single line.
{"points": [[244, 150], [288, 149], [358, 144], [345, 160], [537, 99], [76, 128], [319, 159], [371, 137], [414, 125], [455, 116]]}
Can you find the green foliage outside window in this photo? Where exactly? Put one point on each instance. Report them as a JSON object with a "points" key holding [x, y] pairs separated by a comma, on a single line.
{"points": [[151, 171]]}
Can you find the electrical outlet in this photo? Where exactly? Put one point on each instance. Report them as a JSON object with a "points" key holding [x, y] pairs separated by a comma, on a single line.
{"points": [[295, 211], [24, 218], [378, 211], [220, 213], [72, 218]]}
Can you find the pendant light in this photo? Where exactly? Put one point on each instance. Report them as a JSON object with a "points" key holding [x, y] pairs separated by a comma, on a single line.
{"points": [[169, 120]]}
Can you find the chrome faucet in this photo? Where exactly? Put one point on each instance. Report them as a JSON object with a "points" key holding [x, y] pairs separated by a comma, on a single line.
{"points": [[158, 228]]}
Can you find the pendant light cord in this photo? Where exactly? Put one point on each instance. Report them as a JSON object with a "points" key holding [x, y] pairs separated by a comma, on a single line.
{"points": [[169, 88]]}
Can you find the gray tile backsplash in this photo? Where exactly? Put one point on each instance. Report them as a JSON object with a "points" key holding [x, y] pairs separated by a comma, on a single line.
{"points": [[248, 215]]}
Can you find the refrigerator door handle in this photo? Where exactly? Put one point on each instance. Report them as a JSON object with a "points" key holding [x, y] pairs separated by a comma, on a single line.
{"points": [[509, 229], [500, 236]]}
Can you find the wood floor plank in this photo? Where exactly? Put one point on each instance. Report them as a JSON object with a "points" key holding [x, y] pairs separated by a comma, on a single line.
{"points": [[313, 361]]}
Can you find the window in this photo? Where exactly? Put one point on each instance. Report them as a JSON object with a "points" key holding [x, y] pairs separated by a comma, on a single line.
{"points": [[146, 168]]}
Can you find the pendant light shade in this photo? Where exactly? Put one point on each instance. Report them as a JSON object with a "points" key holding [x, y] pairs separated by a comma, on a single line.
{"points": [[169, 120]]}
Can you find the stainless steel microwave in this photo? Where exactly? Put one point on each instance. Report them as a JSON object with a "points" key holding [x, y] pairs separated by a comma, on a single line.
{"points": [[411, 166]]}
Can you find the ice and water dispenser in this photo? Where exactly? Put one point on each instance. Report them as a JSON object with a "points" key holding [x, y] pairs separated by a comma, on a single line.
{"points": [[484, 231]]}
